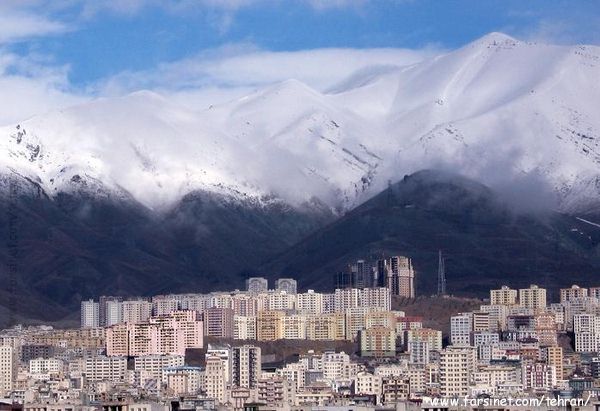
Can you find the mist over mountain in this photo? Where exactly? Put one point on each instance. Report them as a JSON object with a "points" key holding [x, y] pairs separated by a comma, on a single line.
{"points": [[139, 195], [485, 242]]}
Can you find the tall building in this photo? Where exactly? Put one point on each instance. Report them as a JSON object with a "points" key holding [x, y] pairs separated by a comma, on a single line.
{"points": [[456, 366], [343, 279], [360, 275], [400, 276], [281, 301], [533, 297], [379, 298], [223, 352], [113, 312], [481, 321], [90, 314], [497, 316], [381, 272], [538, 375], [7, 369], [594, 292], [394, 389], [257, 285], [218, 322], [245, 366], [503, 296], [288, 285], [273, 391], [214, 378], [102, 314], [345, 298], [554, 356], [294, 327]]}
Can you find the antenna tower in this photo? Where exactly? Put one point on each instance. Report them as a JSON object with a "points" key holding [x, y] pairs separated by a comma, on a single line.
{"points": [[441, 288]]}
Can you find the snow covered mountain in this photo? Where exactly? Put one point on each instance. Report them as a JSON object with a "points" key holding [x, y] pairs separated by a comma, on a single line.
{"points": [[498, 110]]}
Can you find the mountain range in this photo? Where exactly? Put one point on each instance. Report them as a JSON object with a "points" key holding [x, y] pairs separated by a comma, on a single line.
{"points": [[138, 195]]}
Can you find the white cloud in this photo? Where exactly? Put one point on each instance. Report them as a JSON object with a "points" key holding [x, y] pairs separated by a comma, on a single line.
{"points": [[18, 22], [33, 84], [233, 70], [29, 86]]}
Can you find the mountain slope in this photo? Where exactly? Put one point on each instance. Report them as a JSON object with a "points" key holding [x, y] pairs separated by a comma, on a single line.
{"points": [[485, 241], [63, 249]]}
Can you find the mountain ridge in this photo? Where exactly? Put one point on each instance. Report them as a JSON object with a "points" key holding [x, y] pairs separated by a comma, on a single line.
{"points": [[530, 104]]}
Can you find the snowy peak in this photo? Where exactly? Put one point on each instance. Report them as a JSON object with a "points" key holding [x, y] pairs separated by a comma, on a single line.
{"points": [[496, 38], [496, 110]]}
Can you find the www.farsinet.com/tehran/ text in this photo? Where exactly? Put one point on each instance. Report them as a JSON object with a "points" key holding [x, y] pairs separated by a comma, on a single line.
{"points": [[543, 401]]}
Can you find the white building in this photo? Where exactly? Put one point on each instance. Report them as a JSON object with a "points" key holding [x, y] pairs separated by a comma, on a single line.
{"points": [[281, 301], [136, 311], [418, 351], [295, 373], [114, 312], [244, 327], [90, 314], [45, 366], [101, 368], [460, 329], [587, 332], [310, 302]]}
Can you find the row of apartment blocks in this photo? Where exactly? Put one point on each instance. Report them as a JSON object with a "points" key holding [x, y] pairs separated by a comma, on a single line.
{"points": [[365, 311], [395, 274], [110, 310], [536, 297], [574, 301]]}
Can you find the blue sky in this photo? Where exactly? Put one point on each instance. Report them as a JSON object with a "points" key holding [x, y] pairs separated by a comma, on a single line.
{"points": [[73, 49]]}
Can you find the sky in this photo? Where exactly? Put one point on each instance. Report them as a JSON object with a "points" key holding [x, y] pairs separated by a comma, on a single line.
{"points": [[56, 53]]}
